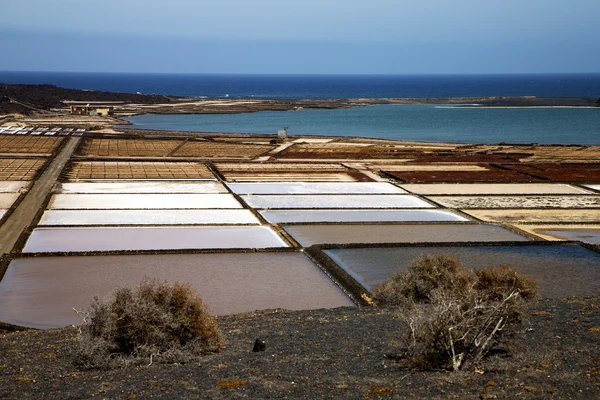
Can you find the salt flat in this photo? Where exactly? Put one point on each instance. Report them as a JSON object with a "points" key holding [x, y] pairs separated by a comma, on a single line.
{"points": [[142, 201], [147, 217], [335, 201], [44, 240], [493, 188]]}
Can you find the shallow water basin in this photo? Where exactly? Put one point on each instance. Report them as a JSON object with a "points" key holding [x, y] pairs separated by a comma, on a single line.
{"points": [[147, 217], [46, 240], [315, 187], [307, 235], [493, 188], [335, 201], [583, 233], [168, 187], [287, 216], [40, 292], [142, 201], [561, 270]]}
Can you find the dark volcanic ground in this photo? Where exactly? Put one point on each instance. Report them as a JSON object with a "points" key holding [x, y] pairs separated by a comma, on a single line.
{"points": [[325, 353]]}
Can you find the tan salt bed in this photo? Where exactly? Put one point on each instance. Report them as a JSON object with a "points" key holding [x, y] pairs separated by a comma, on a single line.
{"points": [[467, 202], [13, 186], [277, 166], [41, 292], [431, 167], [588, 233], [288, 177], [7, 199], [525, 216], [493, 188]]}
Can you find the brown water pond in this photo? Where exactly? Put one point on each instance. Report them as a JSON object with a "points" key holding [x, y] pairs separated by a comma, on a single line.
{"points": [[307, 235], [40, 292]]}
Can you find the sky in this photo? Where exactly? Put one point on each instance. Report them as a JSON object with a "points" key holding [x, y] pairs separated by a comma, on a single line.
{"points": [[301, 37]]}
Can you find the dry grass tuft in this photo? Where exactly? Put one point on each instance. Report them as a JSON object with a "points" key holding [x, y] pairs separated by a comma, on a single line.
{"points": [[155, 322], [455, 314]]}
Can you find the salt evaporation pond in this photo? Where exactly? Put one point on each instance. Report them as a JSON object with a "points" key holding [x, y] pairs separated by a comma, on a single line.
{"points": [[45, 240], [41, 292], [595, 187], [583, 233], [307, 235], [2, 212], [289, 216], [142, 187], [518, 201], [142, 201], [13, 186], [493, 188], [561, 270], [315, 187], [335, 201], [7, 199], [147, 217], [521, 215]]}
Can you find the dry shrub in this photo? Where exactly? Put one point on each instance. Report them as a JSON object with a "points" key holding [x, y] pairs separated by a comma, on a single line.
{"points": [[454, 314], [153, 322]]}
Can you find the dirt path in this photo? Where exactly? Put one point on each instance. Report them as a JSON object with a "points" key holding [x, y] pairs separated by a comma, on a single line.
{"points": [[21, 218]]}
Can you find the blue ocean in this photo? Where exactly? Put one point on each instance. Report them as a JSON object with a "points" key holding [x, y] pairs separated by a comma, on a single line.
{"points": [[399, 122], [321, 86]]}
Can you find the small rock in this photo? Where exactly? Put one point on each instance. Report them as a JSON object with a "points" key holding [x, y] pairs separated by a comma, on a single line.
{"points": [[259, 345]]}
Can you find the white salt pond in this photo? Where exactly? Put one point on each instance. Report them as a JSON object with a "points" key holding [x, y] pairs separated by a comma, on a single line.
{"points": [[307, 235], [561, 270], [335, 201], [595, 187], [287, 216], [40, 292], [45, 240], [493, 188], [13, 186], [147, 217], [2, 212], [315, 188], [7, 199], [142, 201], [142, 187]]}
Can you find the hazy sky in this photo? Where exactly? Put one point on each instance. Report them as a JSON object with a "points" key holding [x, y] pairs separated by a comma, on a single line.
{"points": [[308, 36]]}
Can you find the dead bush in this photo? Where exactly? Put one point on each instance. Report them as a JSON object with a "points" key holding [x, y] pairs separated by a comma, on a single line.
{"points": [[153, 322], [425, 275], [454, 314]]}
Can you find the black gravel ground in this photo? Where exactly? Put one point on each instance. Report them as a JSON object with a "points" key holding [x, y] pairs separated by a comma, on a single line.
{"points": [[341, 353]]}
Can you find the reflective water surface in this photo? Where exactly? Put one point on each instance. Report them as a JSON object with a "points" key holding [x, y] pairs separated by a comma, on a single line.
{"points": [[314, 187], [151, 238], [142, 201], [147, 217], [282, 216], [40, 292], [561, 270], [308, 235], [335, 201]]}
